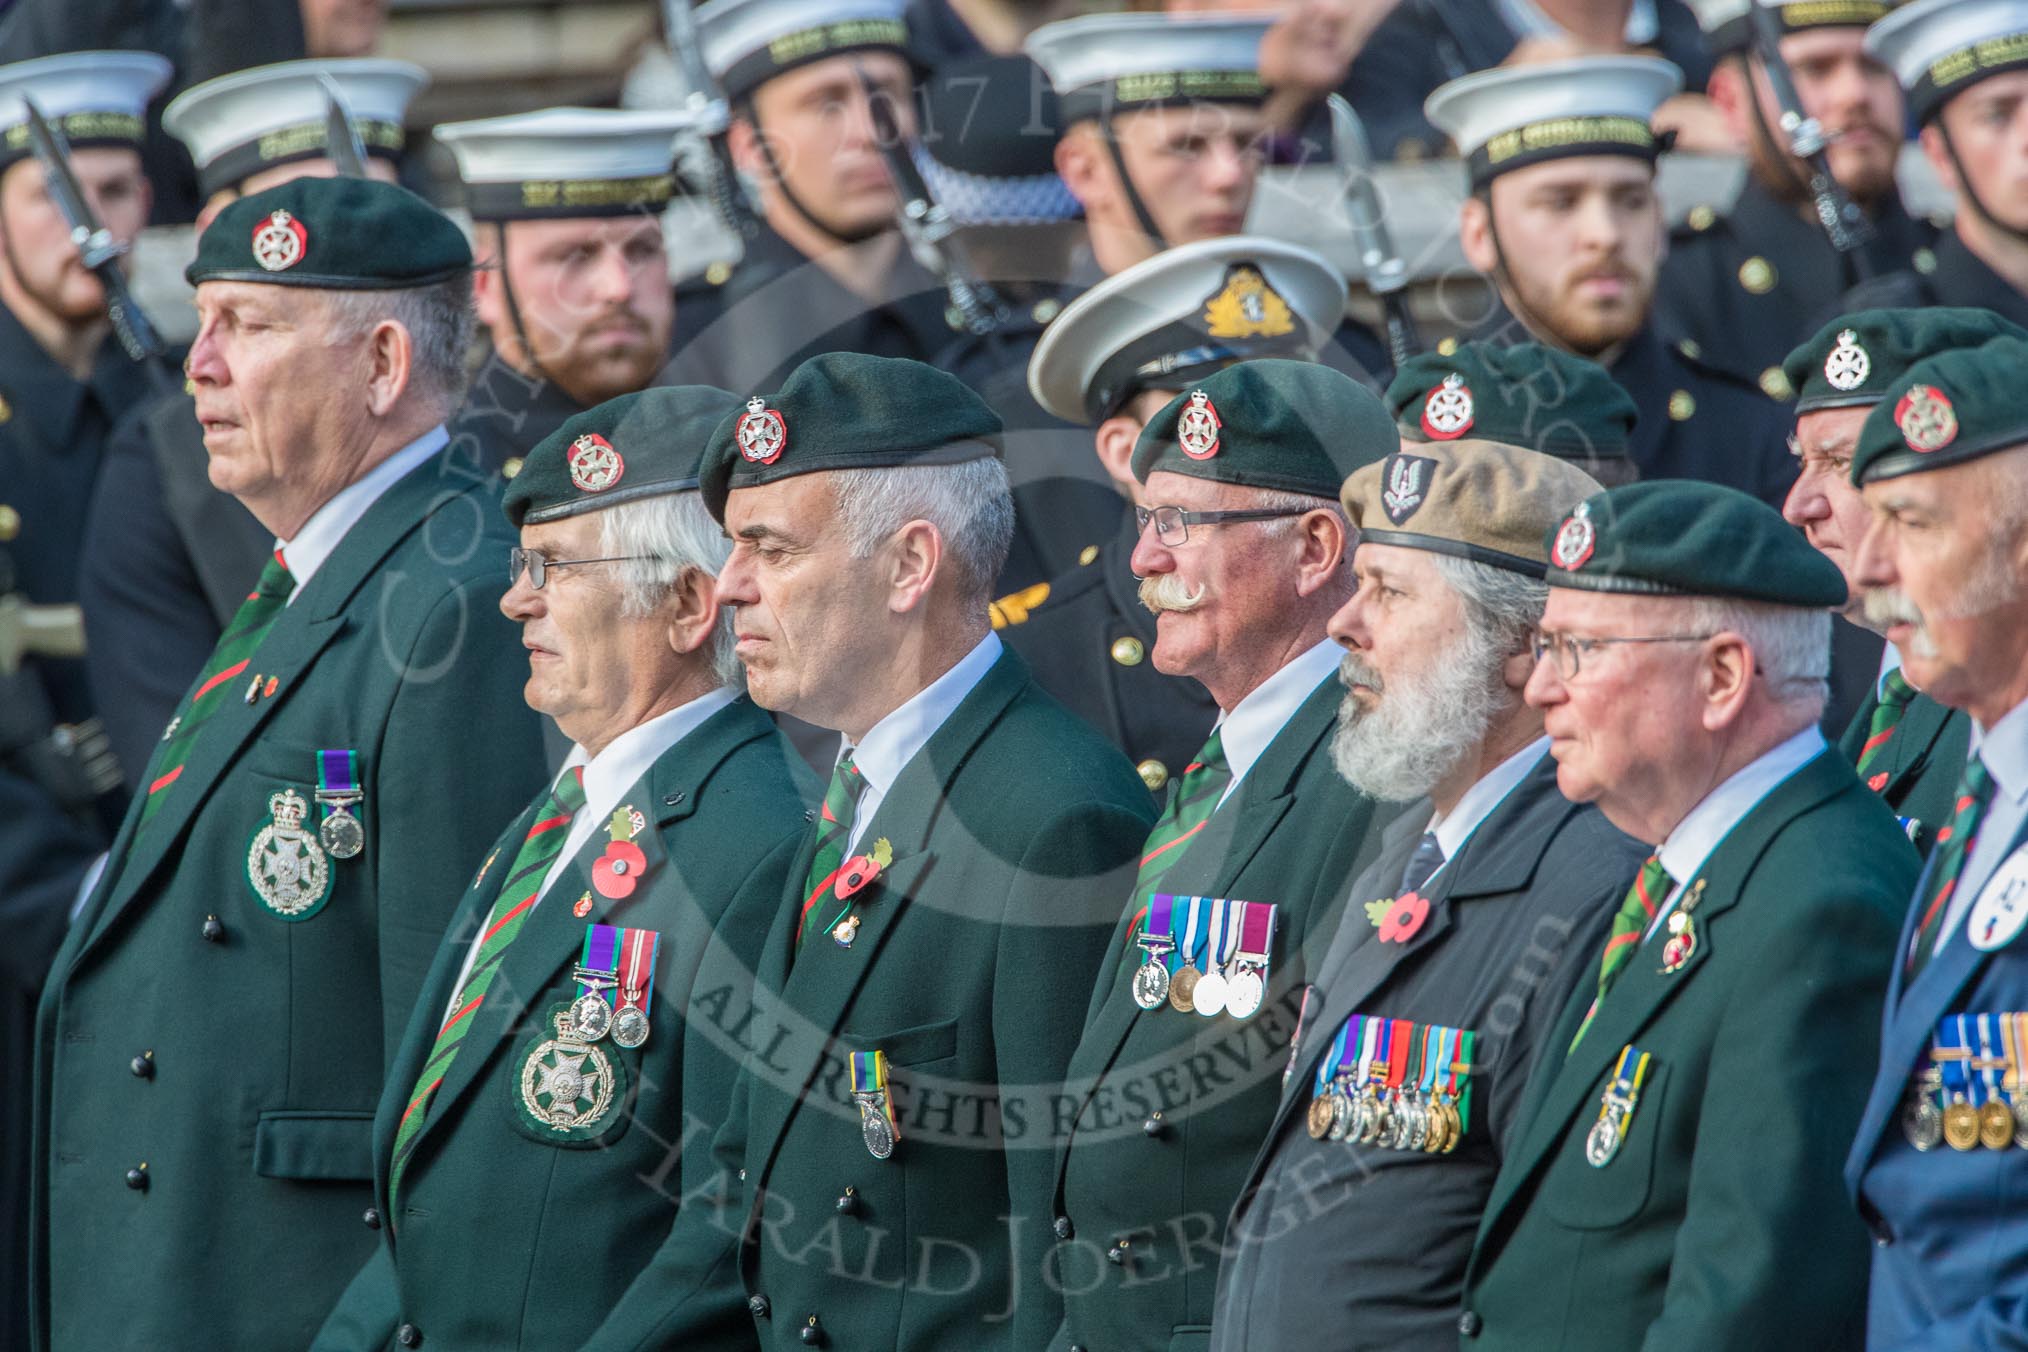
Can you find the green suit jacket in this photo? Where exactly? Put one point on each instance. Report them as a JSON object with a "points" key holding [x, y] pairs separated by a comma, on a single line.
{"points": [[1014, 833], [513, 1233], [230, 1058], [1723, 1220], [1925, 761], [1171, 1107]]}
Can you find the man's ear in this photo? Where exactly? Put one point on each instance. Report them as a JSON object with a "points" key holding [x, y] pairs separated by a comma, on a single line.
{"points": [[1724, 679], [1939, 156], [1475, 235], [742, 139], [1114, 441], [1081, 167], [392, 353], [915, 556], [1321, 559], [692, 608]]}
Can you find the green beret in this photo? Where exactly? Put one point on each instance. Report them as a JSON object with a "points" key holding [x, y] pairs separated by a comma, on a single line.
{"points": [[846, 410], [1681, 537], [1479, 500], [340, 234], [1854, 358], [1945, 410], [635, 446], [1521, 394], [1292, 426]]}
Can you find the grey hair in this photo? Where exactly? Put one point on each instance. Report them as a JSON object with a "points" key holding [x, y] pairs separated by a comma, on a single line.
{"points": [[1791, 647], [1504, 605], [1277, 500], [440, 321], [969, 503], [671, 533]]}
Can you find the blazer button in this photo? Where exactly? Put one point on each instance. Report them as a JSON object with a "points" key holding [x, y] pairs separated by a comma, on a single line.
{"points": [[372, 1218], [1117, 1254], [1062, 1229], [812, 1333], [1469, 1323], [143, 1065], [757, 1306], [1153, 1126], [848, 1202], [137, 1178], [214, 932], [408, 1335]]}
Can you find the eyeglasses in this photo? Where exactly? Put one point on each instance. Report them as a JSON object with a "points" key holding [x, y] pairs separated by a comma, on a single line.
{"points": [[1172, 524], [1569, 652], [537, 567]]}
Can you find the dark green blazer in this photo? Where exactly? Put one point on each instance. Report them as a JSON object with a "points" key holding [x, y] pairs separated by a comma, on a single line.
{"points": [[1014, 831], [206, 1071], [1171, 1107], [1925, 761], [495, 1208], [1723, 1221]]}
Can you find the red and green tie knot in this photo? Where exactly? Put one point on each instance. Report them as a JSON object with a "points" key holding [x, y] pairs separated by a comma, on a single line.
{"points": [[1636, 915], [1895, 694], [834, 829]]}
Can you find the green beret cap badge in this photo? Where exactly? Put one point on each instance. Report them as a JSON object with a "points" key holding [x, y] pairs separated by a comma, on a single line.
{"points": [[1926, 419], [763, 434], [280, 242], [594, 465], [1447, 410], [1575, 539], [1846, 365], [1197, 429]]}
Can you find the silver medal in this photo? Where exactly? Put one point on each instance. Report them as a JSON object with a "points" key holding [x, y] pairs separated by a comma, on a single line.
{"points": [[1602, 1142], [342, 834], [1151, 984], [873, 1126], [1209, 997], [1244, 993], [630, 1027], [590, 1016]]}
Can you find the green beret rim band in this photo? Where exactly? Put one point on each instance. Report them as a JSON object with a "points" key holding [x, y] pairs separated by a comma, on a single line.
{"points": [[324, 282], [1896, 464], [950, 453], [612, 498], [1637, 586], [1457, 549], [1268, 482], [1820, 403]]}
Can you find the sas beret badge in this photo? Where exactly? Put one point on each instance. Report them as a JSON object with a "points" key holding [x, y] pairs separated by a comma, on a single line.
{"points": [[279, 242], [1197, 429], [1926, 418], [1575, 541], [762, 433], [1447, 411], [594, 465]]}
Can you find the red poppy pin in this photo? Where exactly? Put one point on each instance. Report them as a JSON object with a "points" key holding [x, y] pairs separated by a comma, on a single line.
{"points": [[1404, 918], [856, 874]]}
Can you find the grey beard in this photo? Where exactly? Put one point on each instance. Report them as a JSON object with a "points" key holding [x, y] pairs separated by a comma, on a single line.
{"points": [[1421, 728]]}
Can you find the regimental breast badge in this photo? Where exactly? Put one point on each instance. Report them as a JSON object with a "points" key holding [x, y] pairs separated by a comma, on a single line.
{"points": [[762, 433], [594, 465], [1447, 410], [285, 865], [1926, 419], [1247, 307], [1197, 430], [1847, 366], [1575, 541], [568, 1089], [280, 242], [1408, 479]]}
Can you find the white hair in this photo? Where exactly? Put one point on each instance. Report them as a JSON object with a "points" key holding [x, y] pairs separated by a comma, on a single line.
{"points": [[440, 321], [1279, 500], [662, 537], [1791, 647], [969, 503], [1501, 605]]}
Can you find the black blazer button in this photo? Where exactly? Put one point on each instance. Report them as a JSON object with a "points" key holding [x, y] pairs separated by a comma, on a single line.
{"points": [[214, 932], [137, 1178], [408, 1335], [1469, 1323], [372, 1218], [812, 1333], [1063, 1229], [143, 1065], [757, 1306]]}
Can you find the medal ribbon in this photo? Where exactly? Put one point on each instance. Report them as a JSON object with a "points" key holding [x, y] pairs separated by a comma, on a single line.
{"points": [[1431, 1059], [337, 779], [1400, 1033], [1158, 934], [1369, 1049], [1257, 933], [869, 1085], [601, 956], [1327, 1069], [2011, 1044], [639, 948], [1626, 1087], [1461, 1075], [1989, 1065], [1187, 954], [1223, 939], [1953, 1058]]}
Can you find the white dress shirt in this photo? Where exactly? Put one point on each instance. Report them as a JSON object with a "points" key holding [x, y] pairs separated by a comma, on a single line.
{"points": [[607, 776], [893, 742], [320, 535], [1258, 719], [1455, 827], [2004, 752], [1707, 825]]}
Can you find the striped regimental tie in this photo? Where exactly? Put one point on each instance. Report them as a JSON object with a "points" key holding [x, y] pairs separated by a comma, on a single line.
{"points": [[1630, 925], [1192, 799], [1953, 846], [250, 624], [834, 828], [1895, 694], [539, 850]]}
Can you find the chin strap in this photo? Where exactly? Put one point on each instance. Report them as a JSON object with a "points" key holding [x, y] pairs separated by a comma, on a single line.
{"points": [[535, 365], [795, 203], [1503, 280], [1971, 191], [1142, 216]]}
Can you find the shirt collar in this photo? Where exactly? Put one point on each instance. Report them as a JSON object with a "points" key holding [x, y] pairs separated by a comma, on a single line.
{"points": [[628, 756], [893, 741], [319, 537], [1455, 827], [2003, 750], [1259, 718], [1700, 832]]}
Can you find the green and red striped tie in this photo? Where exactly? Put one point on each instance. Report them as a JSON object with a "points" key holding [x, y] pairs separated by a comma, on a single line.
{"points": [[235, 650], [539, 850], [1630, 926], [1953, 846], [1895, 694], [834, 828], [1191, 803]]}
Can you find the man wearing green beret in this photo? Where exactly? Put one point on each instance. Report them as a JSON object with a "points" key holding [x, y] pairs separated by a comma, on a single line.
{"points": [[1908, 748], [1459, 944], [1522, 394], [890, 1139], [219, 1023], [1937, 1164], [550, 1086], [1244, 558], [1674, 1175]]}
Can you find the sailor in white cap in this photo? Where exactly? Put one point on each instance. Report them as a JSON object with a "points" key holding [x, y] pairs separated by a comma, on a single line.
{"points": [[63, 380], [1564, 220], [1114, 357], [825, 269], [1964, 67], [168, 558]]}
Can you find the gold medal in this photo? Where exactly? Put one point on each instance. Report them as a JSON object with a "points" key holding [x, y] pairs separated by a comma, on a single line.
{"points": [[1961, 1125], [1181, 986], [1996, 1125], [1321, 1116]]}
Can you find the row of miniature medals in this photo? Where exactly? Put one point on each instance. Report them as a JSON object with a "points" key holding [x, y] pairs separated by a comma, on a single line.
{"points": [[1396, 1084], [1204, 955], [1972, 1092]]}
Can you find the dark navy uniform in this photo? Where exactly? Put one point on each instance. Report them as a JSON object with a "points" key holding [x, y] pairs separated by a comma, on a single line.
{"points": [[1090, 643], [1743, 286], [1960, 277]]}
